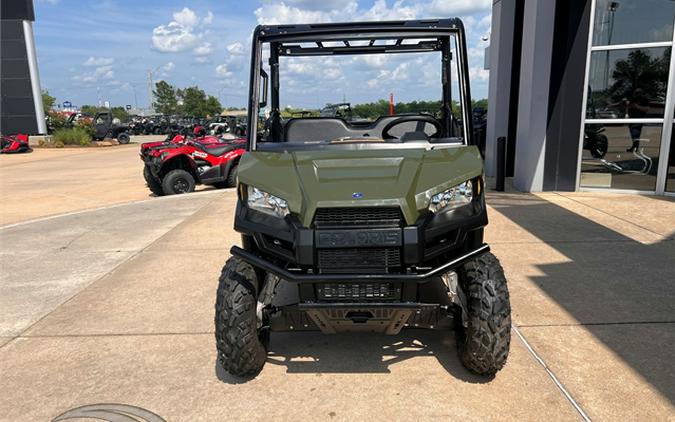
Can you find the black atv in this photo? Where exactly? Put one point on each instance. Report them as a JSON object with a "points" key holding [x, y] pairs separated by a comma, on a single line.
{"points": [[105, 127]]}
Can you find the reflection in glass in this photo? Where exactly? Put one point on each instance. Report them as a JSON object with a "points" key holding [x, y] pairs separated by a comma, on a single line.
{"points": [[670, 176], [621, 156], [633, 21], [629, 83]]}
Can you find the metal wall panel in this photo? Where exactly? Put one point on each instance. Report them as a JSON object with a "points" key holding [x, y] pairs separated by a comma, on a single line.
{"points": [[17, 106]]}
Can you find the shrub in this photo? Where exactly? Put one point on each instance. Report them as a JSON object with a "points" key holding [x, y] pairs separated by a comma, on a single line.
{"points": [[85, 124], [74, 136], [56, 120]]}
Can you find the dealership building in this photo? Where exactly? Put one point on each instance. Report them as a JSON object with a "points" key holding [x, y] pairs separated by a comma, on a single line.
{"points": [[21, 108], [583, 94]]}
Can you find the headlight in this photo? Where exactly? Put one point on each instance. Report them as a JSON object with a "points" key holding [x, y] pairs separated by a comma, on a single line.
{"points": [[452, 198], [267, 203]]}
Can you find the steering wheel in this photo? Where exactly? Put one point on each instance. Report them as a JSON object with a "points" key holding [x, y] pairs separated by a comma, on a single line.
{"points": [[426, 119]]}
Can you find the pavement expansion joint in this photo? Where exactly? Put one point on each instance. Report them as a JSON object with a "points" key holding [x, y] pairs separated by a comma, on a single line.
{"points": [[586, 324], [584, 416], [107, 273], [94, 335]]}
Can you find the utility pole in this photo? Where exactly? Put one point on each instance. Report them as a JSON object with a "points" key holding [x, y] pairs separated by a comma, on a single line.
{"points": [[150, 96]]}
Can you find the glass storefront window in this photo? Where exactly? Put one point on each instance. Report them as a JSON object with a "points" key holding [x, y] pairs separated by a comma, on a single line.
{"points": [[621, 156], [629, 83], [633, 21], [670, 175]]}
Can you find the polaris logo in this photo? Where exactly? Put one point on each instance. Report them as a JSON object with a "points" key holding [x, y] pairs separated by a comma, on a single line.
{"points": [[356, 238]]}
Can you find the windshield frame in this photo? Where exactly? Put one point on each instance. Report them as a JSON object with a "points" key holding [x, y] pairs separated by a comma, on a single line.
{"points": [[283, 40]]}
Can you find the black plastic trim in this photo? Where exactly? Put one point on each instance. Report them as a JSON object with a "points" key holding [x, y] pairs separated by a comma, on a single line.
{"points": [[283, 273]]}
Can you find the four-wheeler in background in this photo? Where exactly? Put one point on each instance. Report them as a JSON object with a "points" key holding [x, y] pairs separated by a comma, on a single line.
{"points": [[231, 125], [179, 165], [106, 127], [14, 144], [362, 226]]}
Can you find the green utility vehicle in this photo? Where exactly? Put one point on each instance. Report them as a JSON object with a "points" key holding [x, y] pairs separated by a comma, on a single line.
{"points": [[362, 225]]}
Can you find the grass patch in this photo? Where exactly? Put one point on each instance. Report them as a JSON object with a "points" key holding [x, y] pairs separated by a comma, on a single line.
{"points": [[72, 136]]}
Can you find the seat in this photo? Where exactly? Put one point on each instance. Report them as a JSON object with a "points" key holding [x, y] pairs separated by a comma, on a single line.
{"points": [[216, 149], [312, 129]]}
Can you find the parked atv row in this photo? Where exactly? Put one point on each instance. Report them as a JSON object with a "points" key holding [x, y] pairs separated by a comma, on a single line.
{"points": [[14, 144], [179, 164]]}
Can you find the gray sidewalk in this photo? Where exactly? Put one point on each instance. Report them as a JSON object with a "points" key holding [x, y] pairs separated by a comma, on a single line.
{"points": [[591, 283]]}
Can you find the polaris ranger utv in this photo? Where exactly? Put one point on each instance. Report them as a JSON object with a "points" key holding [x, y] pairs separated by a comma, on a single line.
{"points": [[362, 226]]}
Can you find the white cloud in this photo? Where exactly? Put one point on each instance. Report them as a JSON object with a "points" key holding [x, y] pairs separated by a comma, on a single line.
{"points": [[322, 5], [236, 48], [478, 74], [98, 61], [173, 38], [400, 73], [332, 73], [202, 59], [186, 17], [306, 11], [101, 73], [169, 67], [208, 19], [273, 14], [204, 49], [381, 12], [451, 8], [223, 72], [180, 34]]}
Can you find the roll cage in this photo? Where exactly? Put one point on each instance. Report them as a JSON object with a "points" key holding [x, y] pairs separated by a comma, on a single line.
{"points": [[356, 38]]}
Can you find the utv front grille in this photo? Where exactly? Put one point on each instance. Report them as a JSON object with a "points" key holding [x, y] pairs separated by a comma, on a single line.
{"points": [[357, 217], [358, 260], [358, 292]]}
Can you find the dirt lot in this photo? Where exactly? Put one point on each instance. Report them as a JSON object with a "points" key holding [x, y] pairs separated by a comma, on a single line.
{"points": [[115, 305], [52, 181]]}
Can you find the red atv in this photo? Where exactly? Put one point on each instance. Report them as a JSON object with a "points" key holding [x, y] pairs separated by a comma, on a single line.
{"points": [[14, 144], [180, 165]]}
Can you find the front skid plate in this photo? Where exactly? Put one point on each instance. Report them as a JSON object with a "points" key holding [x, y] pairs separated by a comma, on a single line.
{"points": [[359, 318]]}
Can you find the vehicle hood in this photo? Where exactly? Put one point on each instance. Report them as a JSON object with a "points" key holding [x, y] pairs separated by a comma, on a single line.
{"points": [[407, 178]]}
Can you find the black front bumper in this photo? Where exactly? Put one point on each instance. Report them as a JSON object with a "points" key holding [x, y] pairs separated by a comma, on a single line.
{"points": [[296, 277]]}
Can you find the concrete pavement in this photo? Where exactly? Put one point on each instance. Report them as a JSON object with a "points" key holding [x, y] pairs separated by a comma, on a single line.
{"points": [[51, 181], [116, 305]]}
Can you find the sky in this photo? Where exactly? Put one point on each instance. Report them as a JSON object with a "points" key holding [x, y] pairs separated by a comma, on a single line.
{"points": [[104, 50]]}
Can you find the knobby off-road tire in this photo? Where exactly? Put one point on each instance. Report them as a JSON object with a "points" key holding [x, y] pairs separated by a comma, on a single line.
{"points": [[123, 138], [241, 346], [178, 181], [232, 177], [483, 345], [153, 184]]}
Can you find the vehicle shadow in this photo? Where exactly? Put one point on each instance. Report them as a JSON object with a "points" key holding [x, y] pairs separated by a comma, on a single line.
{"points": [[619, 289], [311, 352]]}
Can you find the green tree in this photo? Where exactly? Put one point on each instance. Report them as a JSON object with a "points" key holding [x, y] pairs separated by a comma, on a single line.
{"points": [[193, 100], [197, 104], [166, 99], [118, 112], [47, 101], [89, 109], [212, 106]]}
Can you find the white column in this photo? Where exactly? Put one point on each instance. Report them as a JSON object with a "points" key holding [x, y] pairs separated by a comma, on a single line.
{"points": [[499, 89], [34, 76], [535, 76]]}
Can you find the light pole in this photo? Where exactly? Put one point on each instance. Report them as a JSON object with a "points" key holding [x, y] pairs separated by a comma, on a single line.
{"points": [[151, 96]]}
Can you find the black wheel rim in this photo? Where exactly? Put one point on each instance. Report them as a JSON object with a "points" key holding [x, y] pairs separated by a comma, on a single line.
{"points": [[181, 185]]}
